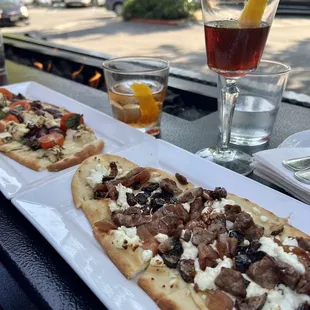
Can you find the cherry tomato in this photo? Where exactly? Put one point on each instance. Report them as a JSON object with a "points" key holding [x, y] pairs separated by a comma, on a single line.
{"points": [[11, 118], [71, 120], [7, 93], [51, 140], [24, 104]]}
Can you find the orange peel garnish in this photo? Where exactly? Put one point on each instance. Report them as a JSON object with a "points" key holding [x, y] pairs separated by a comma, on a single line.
{"points": [[148, 106], [252, 13]]}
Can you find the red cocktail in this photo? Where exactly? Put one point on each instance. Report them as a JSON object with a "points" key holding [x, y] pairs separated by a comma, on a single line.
{"points": [[234, 51]]}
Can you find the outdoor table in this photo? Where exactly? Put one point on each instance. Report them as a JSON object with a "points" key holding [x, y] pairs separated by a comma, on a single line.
{"points": [[43, 280]]}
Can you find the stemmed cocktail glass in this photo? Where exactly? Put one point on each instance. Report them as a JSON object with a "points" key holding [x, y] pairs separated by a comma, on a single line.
{"points": [[236, 32]]}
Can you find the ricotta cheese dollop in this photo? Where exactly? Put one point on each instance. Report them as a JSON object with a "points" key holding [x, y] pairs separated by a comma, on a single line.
{"points": [[190, 251], [161, 237], [147, 255]]}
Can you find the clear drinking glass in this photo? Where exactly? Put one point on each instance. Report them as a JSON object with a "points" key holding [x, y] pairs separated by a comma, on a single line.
{"points": [[235, 34], [258, 103], [137, 88]]}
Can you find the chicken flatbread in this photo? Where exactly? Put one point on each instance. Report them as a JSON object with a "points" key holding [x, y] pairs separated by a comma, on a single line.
{"points": [[42, 136]]}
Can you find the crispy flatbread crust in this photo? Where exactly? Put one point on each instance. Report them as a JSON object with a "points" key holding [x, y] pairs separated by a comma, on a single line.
{"points": [[88, 150], [160, 281], [81, 191], [129, 261]]}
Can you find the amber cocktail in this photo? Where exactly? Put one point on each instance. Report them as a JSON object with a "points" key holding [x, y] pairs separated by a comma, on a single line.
{"points": [[137, 89]]}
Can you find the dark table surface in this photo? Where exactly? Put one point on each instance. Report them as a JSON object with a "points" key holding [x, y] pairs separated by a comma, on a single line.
{"points": [[32, 274]]}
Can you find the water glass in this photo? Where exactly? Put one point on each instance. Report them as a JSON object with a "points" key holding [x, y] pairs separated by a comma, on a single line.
{"points": [[258, 103], [137, 88]]}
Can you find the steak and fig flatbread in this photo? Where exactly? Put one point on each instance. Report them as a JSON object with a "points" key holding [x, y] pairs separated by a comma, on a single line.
{"points": [[190, 247], [42, 136]]}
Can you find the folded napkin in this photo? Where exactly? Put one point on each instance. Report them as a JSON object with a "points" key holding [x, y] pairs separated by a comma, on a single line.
{"points": [[268, 165]]}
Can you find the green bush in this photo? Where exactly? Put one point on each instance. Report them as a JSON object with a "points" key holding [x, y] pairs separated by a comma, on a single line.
{"points": [[158, 9]]}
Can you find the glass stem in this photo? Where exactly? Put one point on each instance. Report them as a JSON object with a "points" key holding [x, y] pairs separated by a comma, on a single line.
{"points": [[229, 96]]}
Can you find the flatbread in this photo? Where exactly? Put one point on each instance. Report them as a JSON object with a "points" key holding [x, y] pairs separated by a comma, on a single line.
{"points": [[129, 261], [34, 159]]}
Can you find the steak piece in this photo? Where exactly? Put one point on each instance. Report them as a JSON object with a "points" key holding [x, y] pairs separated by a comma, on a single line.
{"points": [[196, 207], [264, 272], [242, 222], [131, 217], [187, 270], [172, 257], [218, 193], [201, 235], [181, 178], [113, 173], [216, 223], [150, 187], [232, 282], [231, 212], [303, 286], [304, 243], [207, 256], [105, 225], [148, 240], [170, 186], [254, 232], [191, 194], [195, 223], [218, 300], [251, 303], [226, 246], [167, 224], [288, 275], [177, 210]]}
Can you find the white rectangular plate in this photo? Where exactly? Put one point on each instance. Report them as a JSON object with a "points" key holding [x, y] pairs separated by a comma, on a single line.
{"points": [[68, 231], [117, 136]]}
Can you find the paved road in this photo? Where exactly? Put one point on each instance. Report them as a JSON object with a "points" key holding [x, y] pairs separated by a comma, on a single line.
{"points": [[99, 30]]}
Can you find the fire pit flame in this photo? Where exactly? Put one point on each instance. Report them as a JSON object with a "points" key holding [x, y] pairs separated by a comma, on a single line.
{"points": [[38, 65], [75, 74], [94, 80]]}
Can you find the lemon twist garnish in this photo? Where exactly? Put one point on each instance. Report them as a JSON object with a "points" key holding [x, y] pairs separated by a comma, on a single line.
{"points": [[148, 105], [252, 13]]}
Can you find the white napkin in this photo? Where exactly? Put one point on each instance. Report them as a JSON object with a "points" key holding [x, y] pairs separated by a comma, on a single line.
{"points": [[268, 165]]}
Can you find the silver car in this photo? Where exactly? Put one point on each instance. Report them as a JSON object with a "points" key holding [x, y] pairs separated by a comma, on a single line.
{"points": [[115, 5]]}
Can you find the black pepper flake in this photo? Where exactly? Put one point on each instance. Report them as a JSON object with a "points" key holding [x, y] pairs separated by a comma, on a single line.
{"points": [[152, 279], [164, 286]]}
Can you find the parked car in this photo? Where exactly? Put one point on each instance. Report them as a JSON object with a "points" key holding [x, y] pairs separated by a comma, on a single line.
{"points": [[12, 12], [115, 5]]}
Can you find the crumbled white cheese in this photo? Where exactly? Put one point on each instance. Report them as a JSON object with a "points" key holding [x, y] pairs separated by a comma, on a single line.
{"points": [[147, 255], [218, 205], [229, 225], [205, 279], [255, 211], [253, 288], [5, 137], [3, 101], [190, 251], [6, 109], [16, 130], [290, 241], [161, 237], [96, 175], [157, 261], [186, 206], [70, 134], [213, 245], [122, 197], [124, 237], [264, 219], [155, 177], [113, 206], [273, 249], [246, 242], [282, 297]]}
